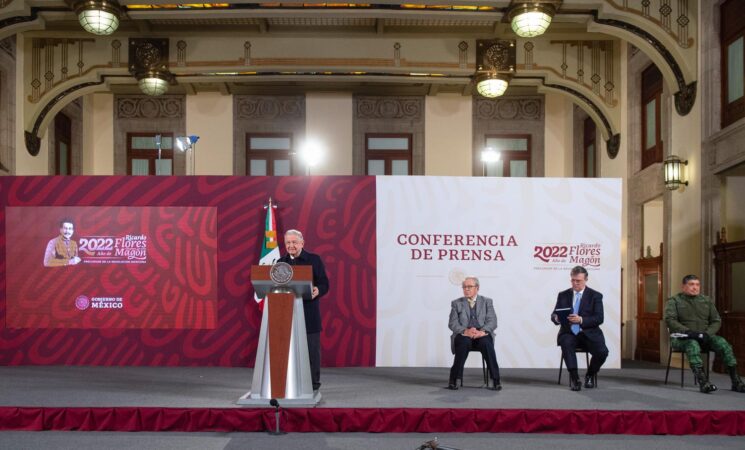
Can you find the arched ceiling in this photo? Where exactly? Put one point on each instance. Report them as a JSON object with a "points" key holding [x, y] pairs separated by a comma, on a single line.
{"points": [[422, 48]]}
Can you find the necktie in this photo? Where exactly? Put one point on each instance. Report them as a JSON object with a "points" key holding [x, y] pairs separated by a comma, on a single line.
{"points": [[577, 298]]}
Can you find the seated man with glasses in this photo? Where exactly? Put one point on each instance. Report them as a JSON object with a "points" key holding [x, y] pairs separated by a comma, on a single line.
{"points": [[473, 321]]}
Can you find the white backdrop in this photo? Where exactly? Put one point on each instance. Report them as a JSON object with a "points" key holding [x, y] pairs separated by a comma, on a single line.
{"points": [[536, 230]]}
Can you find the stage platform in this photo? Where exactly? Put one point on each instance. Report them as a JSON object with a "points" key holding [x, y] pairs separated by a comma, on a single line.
{"points": [[632, 400]]}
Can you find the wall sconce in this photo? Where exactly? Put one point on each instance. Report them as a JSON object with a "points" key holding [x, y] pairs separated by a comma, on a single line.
{"points": [[495, 64], [99, 17], [148, 62], [531, 19], [673, 172]]}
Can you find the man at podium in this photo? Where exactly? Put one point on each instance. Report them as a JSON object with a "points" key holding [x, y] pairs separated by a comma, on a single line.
{"points": [[296, 256]]}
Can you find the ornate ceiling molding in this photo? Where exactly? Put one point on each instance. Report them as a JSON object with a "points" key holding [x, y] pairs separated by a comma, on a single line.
{"points": [[667, 10], [590, 64], [509, 109], [254, 107], [33, 141], [685, 97], [146, 107], [50, 63], [389, 108], [614, 139]]}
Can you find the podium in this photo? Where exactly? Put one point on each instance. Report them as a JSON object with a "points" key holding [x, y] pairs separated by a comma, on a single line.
{"points": [[282, 368]]}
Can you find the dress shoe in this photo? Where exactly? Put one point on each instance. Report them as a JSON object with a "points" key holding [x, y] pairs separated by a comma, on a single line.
{"points": [[575, 385], [452, 386], [589, 381], [496, 386]]}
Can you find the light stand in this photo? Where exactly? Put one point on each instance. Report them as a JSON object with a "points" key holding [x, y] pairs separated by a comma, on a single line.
{"points": [[189, 143], [277, 431], [158, 146], [194, 155], [311, 151], [488, 156]]}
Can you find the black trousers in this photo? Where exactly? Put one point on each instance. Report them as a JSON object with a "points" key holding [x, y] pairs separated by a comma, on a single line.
{"points": [[314, 355], [596, 347], [463, 345]]}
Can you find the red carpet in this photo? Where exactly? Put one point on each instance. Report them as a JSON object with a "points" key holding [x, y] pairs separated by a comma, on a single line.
{"points": [[375, 420]]}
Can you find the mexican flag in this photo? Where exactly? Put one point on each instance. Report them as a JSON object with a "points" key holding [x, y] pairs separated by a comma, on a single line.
{"points": [[269, 249]]}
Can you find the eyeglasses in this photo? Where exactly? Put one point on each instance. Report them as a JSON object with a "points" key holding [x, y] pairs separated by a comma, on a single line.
{"points": [[469, 286]]}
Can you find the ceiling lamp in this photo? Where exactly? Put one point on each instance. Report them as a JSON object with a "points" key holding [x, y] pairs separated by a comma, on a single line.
{"points": [[153, 83], [495, 64], [491, 85], [99, 17], [148, 62], [531, 19]]}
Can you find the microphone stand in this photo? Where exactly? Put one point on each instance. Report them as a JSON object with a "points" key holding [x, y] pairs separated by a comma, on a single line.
{"points": [[277, 431]]}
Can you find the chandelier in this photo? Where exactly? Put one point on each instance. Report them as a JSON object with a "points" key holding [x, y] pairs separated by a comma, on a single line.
{"points": [[495, 64], [99, 17], [531, 19], [491, 85], [153, 83], [148, 62]]}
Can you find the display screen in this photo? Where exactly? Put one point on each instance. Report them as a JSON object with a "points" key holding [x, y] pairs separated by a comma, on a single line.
{"points": [[111, 267]]}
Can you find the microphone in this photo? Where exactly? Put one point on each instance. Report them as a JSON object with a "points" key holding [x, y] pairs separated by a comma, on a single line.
{"points": [[434, 444]]}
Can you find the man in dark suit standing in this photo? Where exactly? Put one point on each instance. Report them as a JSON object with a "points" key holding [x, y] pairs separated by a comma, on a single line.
{"points": [[296, 256], [472, 321], [582, 327]]}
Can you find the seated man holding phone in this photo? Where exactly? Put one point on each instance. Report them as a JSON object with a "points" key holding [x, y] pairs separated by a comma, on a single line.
{"points": [[579, 312]]}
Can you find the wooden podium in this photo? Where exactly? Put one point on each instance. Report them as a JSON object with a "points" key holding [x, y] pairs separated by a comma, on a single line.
{"points": [[282, 368]]}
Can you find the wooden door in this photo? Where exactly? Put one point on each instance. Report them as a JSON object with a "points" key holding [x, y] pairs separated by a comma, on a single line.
{"points": [[729, 264], [649, 308]]}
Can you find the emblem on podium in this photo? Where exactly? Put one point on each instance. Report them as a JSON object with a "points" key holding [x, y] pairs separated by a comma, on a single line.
{"points": [[281, 273]]}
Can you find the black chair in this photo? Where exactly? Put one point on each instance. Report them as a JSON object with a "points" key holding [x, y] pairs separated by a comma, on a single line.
{"points": [[484, 368], [704, 353], [578, 349]]}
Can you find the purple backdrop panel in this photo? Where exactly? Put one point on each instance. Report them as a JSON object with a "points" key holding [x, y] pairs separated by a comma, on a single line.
{"points": [[336, 215]]}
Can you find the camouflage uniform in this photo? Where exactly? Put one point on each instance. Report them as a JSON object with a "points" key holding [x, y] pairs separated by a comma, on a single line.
{"points": [[697, 313]]}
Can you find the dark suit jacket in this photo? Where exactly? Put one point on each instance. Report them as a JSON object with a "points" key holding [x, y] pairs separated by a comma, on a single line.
{"points": [[311, 306], [590, 309]]}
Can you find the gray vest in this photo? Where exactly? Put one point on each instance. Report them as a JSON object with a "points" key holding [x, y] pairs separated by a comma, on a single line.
{"points": [[473, 321]]}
